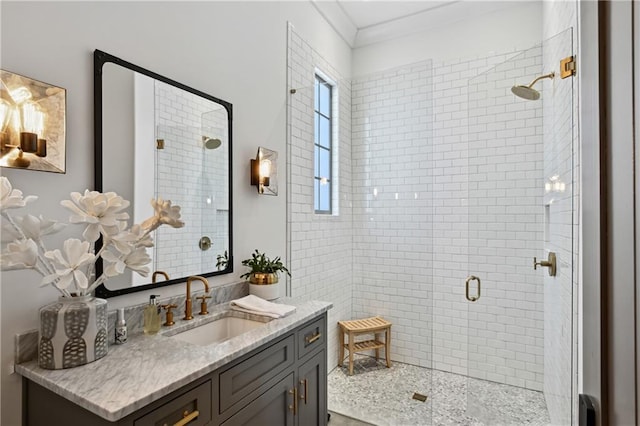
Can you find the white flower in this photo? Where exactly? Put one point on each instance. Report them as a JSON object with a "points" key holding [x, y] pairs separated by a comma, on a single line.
{"points": [[102, 212], [136, 260], [22, 254], [165, 214], [32, 227], [12, 198], [142, 237], [70, 269], [67, 267], [128, 239]]}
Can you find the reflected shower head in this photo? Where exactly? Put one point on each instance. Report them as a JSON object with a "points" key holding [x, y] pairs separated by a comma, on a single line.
{"points": [[528, 92], [211, 143]]}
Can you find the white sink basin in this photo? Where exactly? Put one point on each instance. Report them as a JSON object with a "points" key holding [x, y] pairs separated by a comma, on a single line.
{"points": [[218, 331]]}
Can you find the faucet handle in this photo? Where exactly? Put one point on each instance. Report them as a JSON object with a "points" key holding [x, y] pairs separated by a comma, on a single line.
{"points": [[203, 304], [169, 322]]}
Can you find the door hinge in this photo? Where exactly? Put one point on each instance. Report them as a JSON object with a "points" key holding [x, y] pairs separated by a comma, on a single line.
{"points": [[160, 143], [568, 67]]}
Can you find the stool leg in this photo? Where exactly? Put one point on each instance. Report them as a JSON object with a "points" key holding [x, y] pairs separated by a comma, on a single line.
{"points": [[377, 337], [350, 354], [341, 347], [387, 346]]}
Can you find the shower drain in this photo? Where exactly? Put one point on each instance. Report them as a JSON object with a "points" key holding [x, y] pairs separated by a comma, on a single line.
{"points": [[419, 396]]}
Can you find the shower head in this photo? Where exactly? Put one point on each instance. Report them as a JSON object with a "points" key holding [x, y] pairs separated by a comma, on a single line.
{"points": [[211, 143], [528, 92]]}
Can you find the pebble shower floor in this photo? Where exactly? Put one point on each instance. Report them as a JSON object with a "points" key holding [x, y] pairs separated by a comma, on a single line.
{"points": [[383, 396]]}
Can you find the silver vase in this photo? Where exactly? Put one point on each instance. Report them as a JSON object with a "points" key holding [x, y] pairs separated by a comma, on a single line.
{"points": [[73, 332]]}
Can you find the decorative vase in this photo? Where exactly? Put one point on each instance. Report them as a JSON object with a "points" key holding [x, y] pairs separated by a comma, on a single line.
{"points": [[73, 332], [264, 285]]}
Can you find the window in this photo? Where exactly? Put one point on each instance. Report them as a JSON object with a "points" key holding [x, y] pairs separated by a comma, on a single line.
{"points": [[322, 146]]}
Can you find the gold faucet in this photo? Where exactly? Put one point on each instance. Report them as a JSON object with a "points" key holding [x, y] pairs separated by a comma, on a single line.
{"points": [[187, 304], [156, 273]]}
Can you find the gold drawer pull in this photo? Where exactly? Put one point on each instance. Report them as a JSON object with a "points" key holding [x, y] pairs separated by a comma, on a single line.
{"points": [[311, 339], [187, 418], [306, 390], [294, 407]]}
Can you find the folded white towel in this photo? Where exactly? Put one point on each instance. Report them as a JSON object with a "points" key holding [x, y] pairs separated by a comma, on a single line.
{"points": [[255, 305]]}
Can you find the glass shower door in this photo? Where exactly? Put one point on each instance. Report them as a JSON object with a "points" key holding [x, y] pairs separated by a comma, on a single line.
{"points": [[520, 207]]}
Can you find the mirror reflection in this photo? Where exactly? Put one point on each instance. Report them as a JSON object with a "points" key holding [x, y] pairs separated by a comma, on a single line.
{"points": [[159, 138]]}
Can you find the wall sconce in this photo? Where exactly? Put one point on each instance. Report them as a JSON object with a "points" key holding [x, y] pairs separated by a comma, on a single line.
{"points": [[32, 124], [32, 128], [264, 171]]}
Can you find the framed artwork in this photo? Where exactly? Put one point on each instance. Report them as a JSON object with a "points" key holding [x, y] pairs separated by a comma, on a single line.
{"points": [[32, 124]]}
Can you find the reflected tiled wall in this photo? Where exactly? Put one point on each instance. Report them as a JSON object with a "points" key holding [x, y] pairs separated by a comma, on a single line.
{"points": [[191, 177]]}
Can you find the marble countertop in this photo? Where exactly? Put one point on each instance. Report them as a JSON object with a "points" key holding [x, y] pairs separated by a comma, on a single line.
{"points": [[147, 368]]}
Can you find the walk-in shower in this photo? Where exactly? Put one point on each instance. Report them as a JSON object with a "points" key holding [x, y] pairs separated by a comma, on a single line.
{"points": [[445, 177]]}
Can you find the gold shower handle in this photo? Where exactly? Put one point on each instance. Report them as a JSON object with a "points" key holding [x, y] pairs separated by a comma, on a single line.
{"points": [[469, 279], [549, 263]]}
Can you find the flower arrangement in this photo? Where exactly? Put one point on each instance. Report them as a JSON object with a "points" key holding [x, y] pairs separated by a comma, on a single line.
{"points": [[69, 270], [261, 265]]}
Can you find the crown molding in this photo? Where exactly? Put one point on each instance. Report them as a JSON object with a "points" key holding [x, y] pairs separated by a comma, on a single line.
{"points": [[339, 21]]}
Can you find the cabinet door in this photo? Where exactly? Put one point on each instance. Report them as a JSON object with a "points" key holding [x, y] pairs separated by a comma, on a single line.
{"points": [[312, 388], [272, 408]]}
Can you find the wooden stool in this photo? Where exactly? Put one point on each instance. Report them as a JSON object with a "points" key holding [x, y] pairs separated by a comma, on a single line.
{"points": [[354, 328]]}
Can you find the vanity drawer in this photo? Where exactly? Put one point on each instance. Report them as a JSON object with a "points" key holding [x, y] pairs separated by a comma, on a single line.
{"points": [[312, 336], [253, 373], [194, 404]]}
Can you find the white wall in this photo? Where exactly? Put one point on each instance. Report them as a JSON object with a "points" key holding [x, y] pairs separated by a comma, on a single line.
{"points": [[234, 51], [516, 26]]}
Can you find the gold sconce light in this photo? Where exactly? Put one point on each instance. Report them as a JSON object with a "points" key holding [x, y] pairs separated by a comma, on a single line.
{"points": [[264, 171], [32, 124]]}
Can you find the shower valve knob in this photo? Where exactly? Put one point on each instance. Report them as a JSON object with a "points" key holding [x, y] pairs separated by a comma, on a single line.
{"points": [[549, 263]]}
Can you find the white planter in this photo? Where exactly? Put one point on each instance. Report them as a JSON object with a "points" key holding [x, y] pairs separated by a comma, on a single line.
{"points": [[265, 291], [73, 332]]}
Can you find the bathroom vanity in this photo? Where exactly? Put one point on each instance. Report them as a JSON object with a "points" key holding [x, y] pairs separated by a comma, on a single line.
{"points": [[272, 375]]}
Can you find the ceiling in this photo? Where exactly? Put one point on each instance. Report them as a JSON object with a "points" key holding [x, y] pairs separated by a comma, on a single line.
{"points": [[364, 22], [365, 14]]}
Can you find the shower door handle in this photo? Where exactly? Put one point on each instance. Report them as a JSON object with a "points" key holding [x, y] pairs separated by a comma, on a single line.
{"points": [[469, 297]]}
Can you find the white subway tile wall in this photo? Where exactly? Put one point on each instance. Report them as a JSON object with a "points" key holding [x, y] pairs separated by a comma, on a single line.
{"points": [[392, 216], [561, 165], [506, 224], [320, 245], [192, 177]]}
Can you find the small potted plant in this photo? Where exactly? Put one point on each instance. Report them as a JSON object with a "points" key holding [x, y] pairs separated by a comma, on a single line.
{"points": [[263, 276], [222, 261]]}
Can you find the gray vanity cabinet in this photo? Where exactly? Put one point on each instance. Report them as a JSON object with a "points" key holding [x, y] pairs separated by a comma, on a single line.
{"points": [[312, 390], [284, 384], [281, 383], [271, 408]]}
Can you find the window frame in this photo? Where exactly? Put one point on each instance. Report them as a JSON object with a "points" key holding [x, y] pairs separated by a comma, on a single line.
{"points": [[317, 147]]}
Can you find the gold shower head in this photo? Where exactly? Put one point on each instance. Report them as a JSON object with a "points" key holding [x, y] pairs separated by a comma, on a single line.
{"points": [[528, 92]]}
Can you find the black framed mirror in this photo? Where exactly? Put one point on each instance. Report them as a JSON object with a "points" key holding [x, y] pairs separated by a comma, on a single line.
{"points": [[156, 137]]}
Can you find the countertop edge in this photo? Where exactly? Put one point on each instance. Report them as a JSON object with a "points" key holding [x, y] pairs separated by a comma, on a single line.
{"points": [[47, 378]]}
